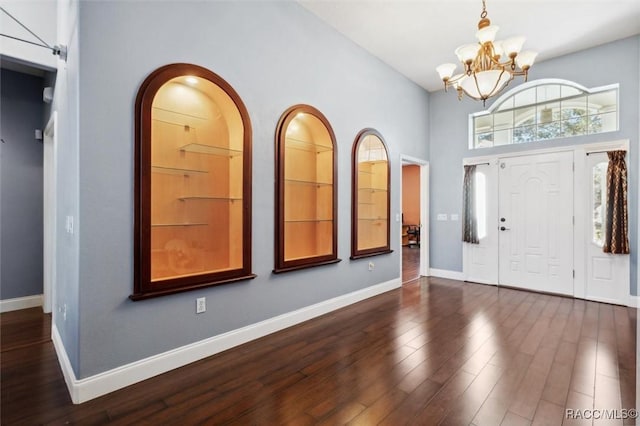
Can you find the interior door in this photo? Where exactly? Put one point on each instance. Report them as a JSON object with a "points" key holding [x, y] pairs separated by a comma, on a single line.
{"points": [[607, 274], [536, 222], [480, 261]]}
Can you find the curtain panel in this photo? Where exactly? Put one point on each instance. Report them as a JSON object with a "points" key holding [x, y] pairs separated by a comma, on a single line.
{"points": [[617, 218], [469, 220]]}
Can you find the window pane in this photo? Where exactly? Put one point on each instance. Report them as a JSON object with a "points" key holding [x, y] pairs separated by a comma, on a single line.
{"points": [[598, 199], [548, 92], [524, 116], [603, 101], [568, 91], [524, 134], [507, 104], [503, 120], [484, 140], [484, 124], [550, 130], [548, 112], [570, 106], [524, 98], [502, 137], [481, 204], [600, 123]]}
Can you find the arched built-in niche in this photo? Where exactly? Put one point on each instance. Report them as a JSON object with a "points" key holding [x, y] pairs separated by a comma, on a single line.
{"points": [[193, 183], [370, 195], [306, 199]]}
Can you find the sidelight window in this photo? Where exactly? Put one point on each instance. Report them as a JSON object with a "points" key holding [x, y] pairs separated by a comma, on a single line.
{"points": [[599, 202]]}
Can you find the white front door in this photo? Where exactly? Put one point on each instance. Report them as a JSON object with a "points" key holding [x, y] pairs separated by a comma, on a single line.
{"points": [[607, 274], [480, 261], [536, 222]]}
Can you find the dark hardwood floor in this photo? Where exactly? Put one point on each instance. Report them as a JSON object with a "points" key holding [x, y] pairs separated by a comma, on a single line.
{"points": [[410, 263], [434, 352]]}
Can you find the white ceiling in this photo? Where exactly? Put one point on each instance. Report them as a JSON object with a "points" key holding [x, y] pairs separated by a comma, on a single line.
{"points": [[415, 36]]}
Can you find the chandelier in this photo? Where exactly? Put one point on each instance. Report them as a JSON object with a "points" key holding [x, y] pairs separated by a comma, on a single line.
{"points": [[483, 74]]}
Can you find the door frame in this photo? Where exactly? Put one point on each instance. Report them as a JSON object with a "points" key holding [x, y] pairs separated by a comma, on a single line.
{"points": [[50, 194], [424, 212], [579, 201]]}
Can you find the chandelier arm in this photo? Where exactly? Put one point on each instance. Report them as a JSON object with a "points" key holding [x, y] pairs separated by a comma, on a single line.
{"points": [[451, 81], [486, 58]]}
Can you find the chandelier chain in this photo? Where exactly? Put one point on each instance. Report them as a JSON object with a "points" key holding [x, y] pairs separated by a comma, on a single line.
{"points": [[484, 10]]}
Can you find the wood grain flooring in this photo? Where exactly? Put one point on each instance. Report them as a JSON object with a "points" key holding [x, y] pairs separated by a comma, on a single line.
{"points": [[410, 263], [435, 352]]}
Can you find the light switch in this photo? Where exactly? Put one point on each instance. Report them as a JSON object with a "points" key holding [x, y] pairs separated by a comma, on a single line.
{"points": [[69, 225], [441, 217], [454, 216]]}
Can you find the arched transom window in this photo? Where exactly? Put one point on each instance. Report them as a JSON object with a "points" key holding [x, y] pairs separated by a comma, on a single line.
{"points": [[545, 109]]}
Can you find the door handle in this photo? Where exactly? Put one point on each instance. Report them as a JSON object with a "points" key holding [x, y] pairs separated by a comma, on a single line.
{"points": [[502, 228]]}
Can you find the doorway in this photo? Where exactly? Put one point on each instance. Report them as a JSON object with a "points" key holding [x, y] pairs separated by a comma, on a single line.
{"points": [[414, 236]]}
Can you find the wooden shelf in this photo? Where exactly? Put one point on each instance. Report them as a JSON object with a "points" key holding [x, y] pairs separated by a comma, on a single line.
{"points": [[164, 225], [179, 113], [307, 220], [372, 189], [201, 148], [307, 182], [302, 145], [176, 170], [199, 197], [373, 219]]}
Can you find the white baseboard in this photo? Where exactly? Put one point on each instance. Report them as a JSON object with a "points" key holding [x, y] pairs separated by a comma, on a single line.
{"points": [[65, 364], [8, 305], [82, 390], [444, 273], [634, 301], [479, 281]]}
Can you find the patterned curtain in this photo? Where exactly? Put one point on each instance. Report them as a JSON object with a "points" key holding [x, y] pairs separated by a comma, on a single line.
{"points": [[469, 220], [617, 225]]}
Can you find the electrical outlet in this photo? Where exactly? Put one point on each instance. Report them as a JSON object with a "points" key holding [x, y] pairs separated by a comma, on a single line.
{"points": [[201, 305], [371, 266]]}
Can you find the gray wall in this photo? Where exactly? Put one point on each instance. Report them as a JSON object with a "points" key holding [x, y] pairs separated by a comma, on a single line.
{"points": [[616, 62], [275, 54], [20, 185], [66, 105]]}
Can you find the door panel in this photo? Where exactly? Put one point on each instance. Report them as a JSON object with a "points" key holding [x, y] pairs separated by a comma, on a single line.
{"points": [[536, 222], [607, 274], [480, 261]]}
